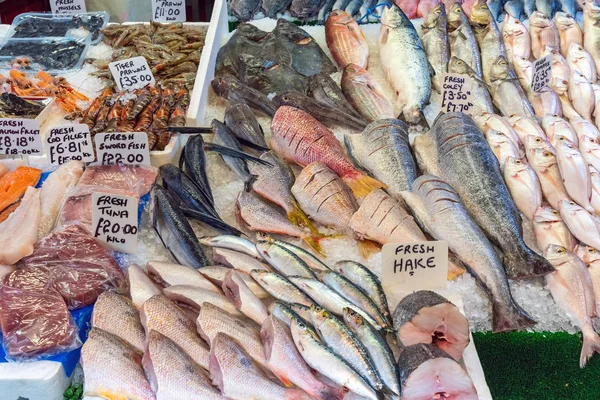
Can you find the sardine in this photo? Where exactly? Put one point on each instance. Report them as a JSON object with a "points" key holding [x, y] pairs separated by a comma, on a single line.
{"points": [[405, 64], [507, 94], [285, 314], [311, 260], [569, 32], [543, 33], [543, 162], [581, 61], [233, 90], [523, 185], [365, 94], [463, 44], [445, 216], [482, 101], [345, 40], [280, 288], [581, 223], [299, 138], [283, 260], [435, 43], [549, 228], [574, 172], [457, 138], [243, 124]]}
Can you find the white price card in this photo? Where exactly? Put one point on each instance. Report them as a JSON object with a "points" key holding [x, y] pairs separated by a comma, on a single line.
{"points": [[131, 73], [20, 136], [122, 148], [456, 93], [67, 6], [541, 73], [407, 267], [70, 143], [168, 11], [115, 221]]}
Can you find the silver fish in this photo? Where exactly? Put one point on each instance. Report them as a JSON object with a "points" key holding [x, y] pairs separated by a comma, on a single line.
{"points": [[463, 44], [281, 288], [311, 260], [283, 260], [507, 93], [435, 43], [231, 242]]}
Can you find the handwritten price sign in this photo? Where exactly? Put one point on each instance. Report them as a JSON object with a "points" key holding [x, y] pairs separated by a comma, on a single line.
{"points": [[122, 148], [415, 266], [168, 10], [20, 136], [67, 6], [542, 73], [70, 142], [114, 221], [131, 73], [456, 93]]}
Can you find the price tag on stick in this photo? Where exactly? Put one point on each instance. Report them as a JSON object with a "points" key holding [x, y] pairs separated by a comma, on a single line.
{"points": [[456, 93], [132, 73], [70, 142], [67, 6], [168, 11], [114, 221], [20, 136], [122, 148], [407, 267], [542, 73]]}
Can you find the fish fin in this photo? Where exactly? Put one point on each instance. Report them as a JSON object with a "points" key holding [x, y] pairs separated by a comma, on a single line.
{"points": [[298, 217], [189, 129], [351, 152], [228, 151], [285, 381], [248, 184], [510, 317], [314, 242], [591, 344], [252, 145], [368, 248], [431, 69], [454, 270], [362, 185], [331, 393], [216, 223], [182, 158], [523, 263]]}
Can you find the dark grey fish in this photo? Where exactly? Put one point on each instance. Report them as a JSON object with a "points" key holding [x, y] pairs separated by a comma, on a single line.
{"points": [[274, 7], [193, 158], [481, 187], [354, 7], [516, 9], [244, 125], [305, 9], [548, 7], [175, 231], [308, 58], [436, 370], [268, 76], [383, 149], [233, 90], [324, 12], [224, 137], [324, 89], [326, 115], [244, 10]]}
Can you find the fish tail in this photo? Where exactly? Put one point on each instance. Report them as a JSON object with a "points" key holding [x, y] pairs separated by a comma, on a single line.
{"points": [[522, 263], [455, 269], [298, 217], [510, 317], [361, 185], [314, 242], [368, 248], [591, 344], [249, 182]]}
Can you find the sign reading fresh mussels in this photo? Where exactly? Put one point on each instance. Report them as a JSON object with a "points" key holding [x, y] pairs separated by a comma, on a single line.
{"points": [[67, 6], [70, 142], [122, 148], [132, 73], [114, 221], [456, 93], [20, 136], [168, 11]]}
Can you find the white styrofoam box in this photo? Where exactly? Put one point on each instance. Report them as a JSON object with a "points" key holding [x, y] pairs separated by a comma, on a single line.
{"points": [[38, 380]]}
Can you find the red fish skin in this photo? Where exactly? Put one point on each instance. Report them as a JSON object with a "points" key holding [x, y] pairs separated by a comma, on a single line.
{"points": [[409, 7], [346, 40]]}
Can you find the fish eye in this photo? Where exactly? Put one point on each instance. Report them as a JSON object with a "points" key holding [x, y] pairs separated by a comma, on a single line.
{"points": [[538, 139], [484, 7], [555, 212], [547, 154], [572, 203], [561, 250], [459, 62], [438, 11], [458, 10], [518, 162], [591, 250]]}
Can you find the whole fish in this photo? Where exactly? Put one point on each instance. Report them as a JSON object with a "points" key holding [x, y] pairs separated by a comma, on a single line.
{"points": [[561, 87], [445, 216], [283, 260], [285, 313], [274, 183], [324, 196], [267, 75], [543, 161], [514, 8], [545, 102], [193, 158], [405, 64], [330, 116], [590, 257], [581, 95], [237, 376], [591, 27], [246, 39], [345, 40], [502, 147], [239, 261], [174, 230], [305, 9], [274, 7], [523, 185], [242, 297], [320, 358], [216, 274], [113, 366], [117, 314], [581, 223], [581, 61], [569, 32], [494, 122], [516, 39], [482, 101], [488, 38], [341, 341], [555, 126], [507, 94], [287, 363], [280, 288], [382, 219], [383, 149], [365, 94], [524, 71], [529, 7], [524, 127], [243, 124], [463, 44], [456, 138], [590, 149], [311, 260], [233, 90], [549, 228], [326, 91], [173, 374], [545, 7], [174, 274], [366, 280], [160, 314], [572, 289], [260, 216], [574, 172], [595, 198], [193, 297], [312, 141], [560, 66], [244, 10], [435, 43], [543, 33], [231, 242]]}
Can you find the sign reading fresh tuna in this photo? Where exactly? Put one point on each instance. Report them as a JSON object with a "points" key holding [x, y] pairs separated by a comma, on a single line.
{"points": [[456, 93], [132, 73], [168, 11], [20, 136], [114, 221], [415, 266]]}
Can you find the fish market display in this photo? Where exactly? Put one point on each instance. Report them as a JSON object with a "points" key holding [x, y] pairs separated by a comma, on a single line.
{"points": [[36, 25]]}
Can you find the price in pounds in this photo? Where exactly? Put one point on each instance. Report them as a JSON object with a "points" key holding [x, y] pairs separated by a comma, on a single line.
{"points": [[460, 107], [456, 94], [542, 73], [168, 10], [132, 73], [132, 81], [106, 227], [118, 158], [122, 148]]}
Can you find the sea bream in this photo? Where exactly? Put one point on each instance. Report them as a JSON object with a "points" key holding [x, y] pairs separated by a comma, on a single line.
{"points": [[440, 209], [546, 101], [581, 61], [463, 44], [543, 161], [569, 32], [574, 172], [591, 27], [435, 43], [543, 33], [404, 64], [345, 40], [549, 228], [483, 191], [582, 224], [523, 185], [298, 137], [516, 39], [365, 94]]}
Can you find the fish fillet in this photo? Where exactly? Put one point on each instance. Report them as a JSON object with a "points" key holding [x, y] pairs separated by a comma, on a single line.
{"points": [[19, 232]]}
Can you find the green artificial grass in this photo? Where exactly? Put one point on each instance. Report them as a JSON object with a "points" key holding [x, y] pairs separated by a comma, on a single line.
{"points": [[541, 365]]}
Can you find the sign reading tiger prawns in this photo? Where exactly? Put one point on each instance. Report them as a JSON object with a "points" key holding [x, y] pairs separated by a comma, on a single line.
{"points": [[132, 73]]}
